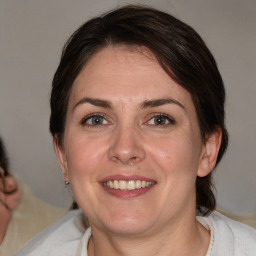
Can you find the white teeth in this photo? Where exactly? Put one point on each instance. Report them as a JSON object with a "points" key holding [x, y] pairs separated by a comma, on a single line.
{"points": [[131, 185], [128, 185], [111, 184], [122, 184], [116, 184], [138, 184]]}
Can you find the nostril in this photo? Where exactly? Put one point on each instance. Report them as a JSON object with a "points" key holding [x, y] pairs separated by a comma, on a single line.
{"points": [[127, 159], [134, 159], [125, 146]]}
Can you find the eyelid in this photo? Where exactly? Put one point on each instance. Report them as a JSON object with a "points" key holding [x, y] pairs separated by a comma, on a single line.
{"points": [[168, 117], [87, 117]]}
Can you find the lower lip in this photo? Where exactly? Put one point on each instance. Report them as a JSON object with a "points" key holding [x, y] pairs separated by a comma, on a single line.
{"points": [[127, 194]]}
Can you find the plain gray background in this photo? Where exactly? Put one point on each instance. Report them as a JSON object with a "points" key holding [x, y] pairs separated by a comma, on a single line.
{"points": [[32, 33]]}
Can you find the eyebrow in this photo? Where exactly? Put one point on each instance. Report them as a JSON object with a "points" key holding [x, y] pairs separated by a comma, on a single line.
{"points": [[145, 104], [95, 102], [160, 102]]}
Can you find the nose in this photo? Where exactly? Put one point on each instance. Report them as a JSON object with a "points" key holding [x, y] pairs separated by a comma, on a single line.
{"points": [[126, 146]]}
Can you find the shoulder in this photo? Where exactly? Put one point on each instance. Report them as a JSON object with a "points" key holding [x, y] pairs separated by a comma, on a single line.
{"points": [[61, 238], [31, 216], [232, 237]]}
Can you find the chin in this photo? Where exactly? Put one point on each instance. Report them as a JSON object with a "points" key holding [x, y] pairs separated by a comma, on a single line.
{"points": [[128, 230], [129, 225]]}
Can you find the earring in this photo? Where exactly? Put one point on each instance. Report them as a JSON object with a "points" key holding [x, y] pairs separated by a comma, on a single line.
{"points": [[66, 183]]}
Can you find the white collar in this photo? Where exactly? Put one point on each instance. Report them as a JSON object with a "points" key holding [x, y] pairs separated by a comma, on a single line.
{"points": [[206, 222], [82, 248]]}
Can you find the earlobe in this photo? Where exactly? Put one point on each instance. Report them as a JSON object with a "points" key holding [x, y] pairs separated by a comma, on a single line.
{"points": [[210, 153], [61, 156]]}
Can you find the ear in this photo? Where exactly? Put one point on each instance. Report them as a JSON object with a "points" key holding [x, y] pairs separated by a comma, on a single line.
{"points": [[60, 153], [210, 153]]}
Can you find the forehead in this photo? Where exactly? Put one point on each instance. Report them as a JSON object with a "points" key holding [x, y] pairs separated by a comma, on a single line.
{"points": [[129, 61], [125, 71]]}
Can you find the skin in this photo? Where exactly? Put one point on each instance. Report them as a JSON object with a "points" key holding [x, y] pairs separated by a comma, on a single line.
{"points": [[134, 92]]}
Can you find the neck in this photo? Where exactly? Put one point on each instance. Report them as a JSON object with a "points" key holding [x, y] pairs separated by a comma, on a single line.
{"points": [[184, 239]]}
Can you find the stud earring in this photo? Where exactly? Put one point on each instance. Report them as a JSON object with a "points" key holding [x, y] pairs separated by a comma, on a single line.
{"points": [[66, 183]]}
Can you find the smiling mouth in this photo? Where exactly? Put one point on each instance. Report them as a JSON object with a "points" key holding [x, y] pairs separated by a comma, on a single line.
{"points": [[128, 185]]}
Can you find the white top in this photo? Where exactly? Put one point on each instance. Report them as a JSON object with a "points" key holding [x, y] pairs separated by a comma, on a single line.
{"points": [[82, 248], [67, 237], [60, 238], [30, 217]]}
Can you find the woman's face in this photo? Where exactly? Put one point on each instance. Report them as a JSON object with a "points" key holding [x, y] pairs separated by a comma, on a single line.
{"points": [[132, 147]]}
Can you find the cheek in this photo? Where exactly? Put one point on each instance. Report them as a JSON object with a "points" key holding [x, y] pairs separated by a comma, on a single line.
{"points": [[84, 155], [176, 155], [176, 164]]}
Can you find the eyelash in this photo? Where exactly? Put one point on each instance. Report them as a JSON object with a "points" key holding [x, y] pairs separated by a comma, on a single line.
{"points": [[160, 115], [167, 118], [96, 115]]}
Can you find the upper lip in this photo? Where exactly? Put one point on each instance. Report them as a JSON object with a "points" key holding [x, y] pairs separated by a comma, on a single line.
{"points": [[126, 178]]}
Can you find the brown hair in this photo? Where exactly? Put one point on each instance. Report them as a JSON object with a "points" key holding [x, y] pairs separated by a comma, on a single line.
{"points": [[179, 50], [4, 163]]}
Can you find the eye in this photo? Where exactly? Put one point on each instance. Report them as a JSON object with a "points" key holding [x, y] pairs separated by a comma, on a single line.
{"points": [[94, 120], [161, 120]]}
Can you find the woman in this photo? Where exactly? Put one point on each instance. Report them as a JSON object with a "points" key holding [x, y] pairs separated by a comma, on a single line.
{"points": [[137, 117]]}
